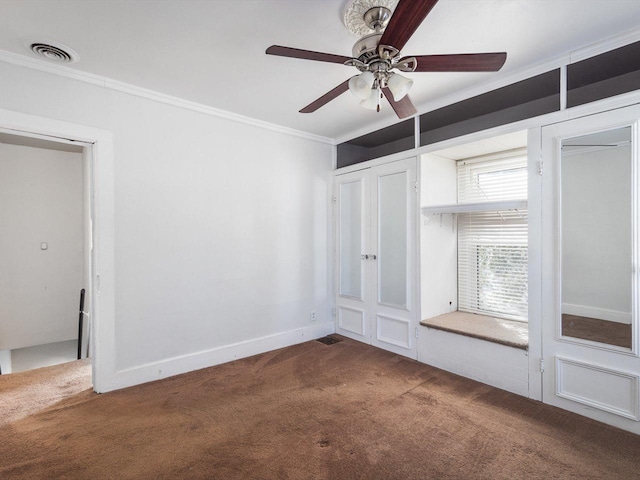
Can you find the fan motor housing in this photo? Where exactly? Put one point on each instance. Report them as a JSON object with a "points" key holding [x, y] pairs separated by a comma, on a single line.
{"points": [[366, 47]]}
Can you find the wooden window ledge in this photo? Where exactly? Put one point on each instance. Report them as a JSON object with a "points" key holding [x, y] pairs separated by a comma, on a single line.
{"points": [[497, 330]]}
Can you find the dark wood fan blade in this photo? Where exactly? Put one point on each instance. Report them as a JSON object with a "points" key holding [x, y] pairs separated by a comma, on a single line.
{"points": [[464, 62], [305, 54], [327, 97], [404, 108], [405, 20]]}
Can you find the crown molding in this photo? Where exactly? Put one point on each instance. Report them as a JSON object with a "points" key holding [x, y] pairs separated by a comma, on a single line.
{"points": [[90, 78]]}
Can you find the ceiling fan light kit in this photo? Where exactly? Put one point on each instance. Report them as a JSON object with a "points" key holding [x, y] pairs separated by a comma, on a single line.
{"points": [[385, 26], [373, 100], [361, 85], [399, 86]]}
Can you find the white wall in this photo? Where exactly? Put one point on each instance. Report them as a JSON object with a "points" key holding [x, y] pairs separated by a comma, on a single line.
{"points": [[221, 227], [438, 237], [40, 201], [487, 362], [596, 234]]}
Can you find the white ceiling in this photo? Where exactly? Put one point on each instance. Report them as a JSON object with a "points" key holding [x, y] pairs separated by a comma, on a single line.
{"points": [[212, 52]]}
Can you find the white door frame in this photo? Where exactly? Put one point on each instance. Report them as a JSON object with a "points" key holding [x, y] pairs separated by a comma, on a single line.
{"points": [[102, 341]]}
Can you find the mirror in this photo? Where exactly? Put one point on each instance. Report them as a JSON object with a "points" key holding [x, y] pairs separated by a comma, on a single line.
{"points": [[596, 224]]}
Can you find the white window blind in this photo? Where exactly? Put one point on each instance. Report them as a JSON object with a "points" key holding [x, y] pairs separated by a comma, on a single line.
{"points": [[492, 245], [492, 180]]}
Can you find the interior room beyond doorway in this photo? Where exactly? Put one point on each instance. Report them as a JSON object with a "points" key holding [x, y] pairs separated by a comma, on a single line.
{"points": [[45, 251]]}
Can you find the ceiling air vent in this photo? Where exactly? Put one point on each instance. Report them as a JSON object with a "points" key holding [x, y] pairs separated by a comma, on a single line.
{"points": [[56, 52]]}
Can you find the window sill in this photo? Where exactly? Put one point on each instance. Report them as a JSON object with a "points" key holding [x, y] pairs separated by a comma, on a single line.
{"points": [[496, 330]]}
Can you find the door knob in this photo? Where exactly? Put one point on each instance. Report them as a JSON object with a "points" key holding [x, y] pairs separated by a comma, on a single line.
{"points": [[373, 257], [364, 256]]}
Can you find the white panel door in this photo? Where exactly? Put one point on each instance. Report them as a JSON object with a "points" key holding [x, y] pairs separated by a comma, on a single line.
{"points": [[353, 291], [394, 259], [590, 216], [376, 256]]}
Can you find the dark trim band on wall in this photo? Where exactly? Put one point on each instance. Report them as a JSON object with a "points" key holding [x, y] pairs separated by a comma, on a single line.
{"points": [[603, 76], [389, 140], [525, 99], [528, 98]]}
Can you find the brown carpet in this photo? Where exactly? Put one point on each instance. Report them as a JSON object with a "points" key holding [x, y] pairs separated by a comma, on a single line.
{"points": [[311, 411], [25, 393]]}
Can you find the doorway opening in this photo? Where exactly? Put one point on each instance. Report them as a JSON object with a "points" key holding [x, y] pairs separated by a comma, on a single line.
{"points": [[45, 251]]}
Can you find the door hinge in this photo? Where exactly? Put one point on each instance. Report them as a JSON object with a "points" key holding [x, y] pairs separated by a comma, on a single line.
{"points": [[417, 332], [542, 365], [333, 311], [540, 167], [334, 200], [415, 186]]}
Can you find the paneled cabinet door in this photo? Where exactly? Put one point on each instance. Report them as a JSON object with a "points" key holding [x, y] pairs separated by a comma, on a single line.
{"points": [[376, 256]]}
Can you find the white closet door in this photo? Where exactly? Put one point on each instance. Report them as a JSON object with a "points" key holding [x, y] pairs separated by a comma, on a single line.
{"points": [[590, 252], [352, 214], [376, 256], [394, 259]]}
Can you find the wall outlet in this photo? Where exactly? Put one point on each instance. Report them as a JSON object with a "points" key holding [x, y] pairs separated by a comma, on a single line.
{"points": [[312, 316]]}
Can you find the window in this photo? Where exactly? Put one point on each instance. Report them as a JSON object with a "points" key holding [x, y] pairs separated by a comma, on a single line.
{"points": [[492, 242]]}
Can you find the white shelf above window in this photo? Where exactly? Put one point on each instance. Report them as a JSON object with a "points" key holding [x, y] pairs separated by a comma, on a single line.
{"points": [[499, 206]]}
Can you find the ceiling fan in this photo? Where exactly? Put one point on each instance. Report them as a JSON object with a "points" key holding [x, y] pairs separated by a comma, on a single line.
{"points": [[376, 55]]}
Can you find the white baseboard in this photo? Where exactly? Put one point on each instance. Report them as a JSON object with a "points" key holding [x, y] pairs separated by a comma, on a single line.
{"points": [[215, 356], [593, 312]]}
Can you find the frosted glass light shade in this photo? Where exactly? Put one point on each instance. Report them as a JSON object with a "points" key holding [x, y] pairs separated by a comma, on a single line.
{"points": [[399, 86], [372, 101], [360, 85]]}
